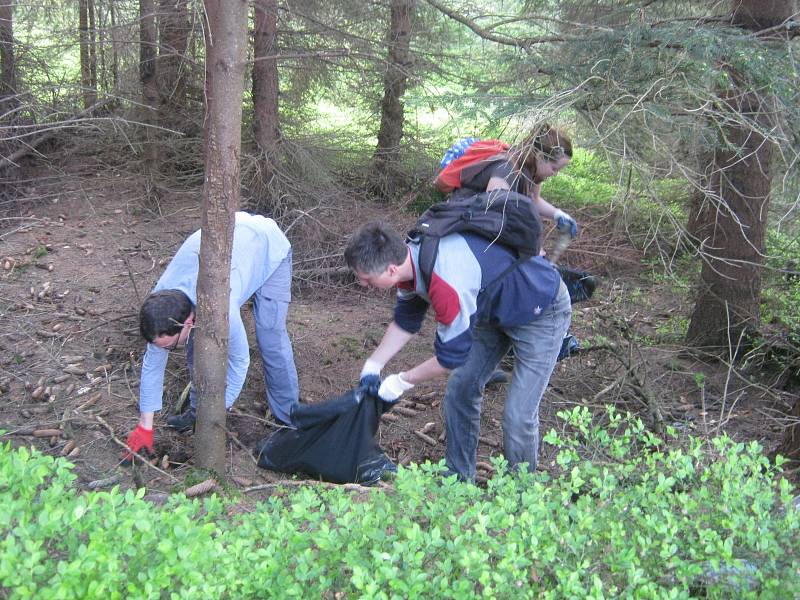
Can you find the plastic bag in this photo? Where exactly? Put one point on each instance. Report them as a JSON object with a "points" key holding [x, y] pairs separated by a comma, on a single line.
{"points": [[334, 441]]}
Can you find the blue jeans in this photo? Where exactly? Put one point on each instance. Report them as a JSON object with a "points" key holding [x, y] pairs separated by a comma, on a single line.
{"points": [[536, 346], [270, 306]]}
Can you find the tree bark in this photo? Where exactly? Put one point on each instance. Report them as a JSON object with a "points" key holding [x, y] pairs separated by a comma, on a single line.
{"points": [[226, 43], [173, 22], [732, 221], [790, 445], [399, 61], [8, 67], [147, 78], [92, 49], [88, 92], [266, 123]]}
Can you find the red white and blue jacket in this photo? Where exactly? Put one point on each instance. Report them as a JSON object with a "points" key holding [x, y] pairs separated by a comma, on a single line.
{"points": [[464, 265]]}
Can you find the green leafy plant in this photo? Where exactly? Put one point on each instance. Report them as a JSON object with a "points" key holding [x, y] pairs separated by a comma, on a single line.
{"points": [[627, 514]]}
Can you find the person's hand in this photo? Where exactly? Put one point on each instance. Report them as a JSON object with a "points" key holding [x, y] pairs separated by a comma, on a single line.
{"points": [[371, 383], [393, 387], [565, 223], [370, 377], [138, 439]]}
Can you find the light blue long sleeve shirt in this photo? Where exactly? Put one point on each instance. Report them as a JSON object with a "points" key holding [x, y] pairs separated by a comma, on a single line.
{"points": [[259, 247]]}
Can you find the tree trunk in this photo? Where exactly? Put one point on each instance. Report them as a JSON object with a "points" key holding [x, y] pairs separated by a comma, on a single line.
{"points": [[115, 51], [8, 68], [266, 124], [173, 22], [88, 92], [226, 44], [790, 445], [399, 61], [92, 49], [147, 78], [733, 224]]}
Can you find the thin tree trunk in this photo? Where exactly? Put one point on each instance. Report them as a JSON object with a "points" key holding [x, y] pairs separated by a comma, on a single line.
{"points": [[92, 49], [112, 13], [8, 68], [173, 23], [89, 97], [266, 124], [147, 78], [226, 44], [399, 61]]}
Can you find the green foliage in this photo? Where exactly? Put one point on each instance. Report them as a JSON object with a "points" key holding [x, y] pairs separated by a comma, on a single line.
{"points": [[629, 515], [586, 181], [781, 294]]}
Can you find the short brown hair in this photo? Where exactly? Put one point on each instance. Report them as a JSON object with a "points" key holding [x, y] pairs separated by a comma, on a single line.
{"points": [[374, 247]]}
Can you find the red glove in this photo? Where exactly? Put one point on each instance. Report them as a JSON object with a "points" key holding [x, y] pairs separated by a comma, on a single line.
{"points": [[138, 439]]}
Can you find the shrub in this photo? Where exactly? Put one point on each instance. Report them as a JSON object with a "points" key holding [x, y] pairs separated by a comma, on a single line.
{"points": [[641, 518]]}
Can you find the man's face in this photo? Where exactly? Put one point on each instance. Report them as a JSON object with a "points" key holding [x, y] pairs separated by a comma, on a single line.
{"points": [[386, 279], [170, 342]]}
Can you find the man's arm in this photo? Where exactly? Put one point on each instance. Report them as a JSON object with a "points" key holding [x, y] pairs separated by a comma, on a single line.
{"points": [[238, 357], [151, 383], [430, 369], [393, 341]]}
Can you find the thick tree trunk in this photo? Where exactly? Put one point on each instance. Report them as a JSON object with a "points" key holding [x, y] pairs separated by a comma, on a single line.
{"points": [[790, 446], [8, 68], [732, 220], [756, 15], [733, 234], [147, 78], [399, 61], [266, 124], [173, 23], [89, 93], [226, 44]]}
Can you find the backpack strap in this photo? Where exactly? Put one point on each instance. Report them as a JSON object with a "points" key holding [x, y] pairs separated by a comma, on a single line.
{"points": [[429, 250], [519, 260]]}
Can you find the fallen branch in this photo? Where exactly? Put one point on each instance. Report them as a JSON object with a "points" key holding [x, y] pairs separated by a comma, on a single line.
{"points": [[122, 444], [11, 160]]}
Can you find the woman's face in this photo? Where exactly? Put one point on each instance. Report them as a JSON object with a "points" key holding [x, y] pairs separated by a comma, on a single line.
{"points": [[547, 168]]}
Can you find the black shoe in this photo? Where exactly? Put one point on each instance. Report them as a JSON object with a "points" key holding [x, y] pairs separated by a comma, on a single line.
{"points": [[184, 421], [499, 376]]}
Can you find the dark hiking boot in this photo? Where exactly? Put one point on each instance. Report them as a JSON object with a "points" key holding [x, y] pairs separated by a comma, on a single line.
{"points": [[499, 376], [184, 421]]}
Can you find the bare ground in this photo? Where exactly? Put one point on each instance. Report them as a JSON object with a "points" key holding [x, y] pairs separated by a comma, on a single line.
{"points": [[80, 250]]}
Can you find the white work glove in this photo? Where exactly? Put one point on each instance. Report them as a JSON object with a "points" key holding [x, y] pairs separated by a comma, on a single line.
{"points": [[370, 367], [393, 387], [370, 378], [565, 223]]}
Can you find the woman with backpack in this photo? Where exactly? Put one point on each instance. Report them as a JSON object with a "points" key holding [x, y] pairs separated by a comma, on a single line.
{"points": [[473, 165]]}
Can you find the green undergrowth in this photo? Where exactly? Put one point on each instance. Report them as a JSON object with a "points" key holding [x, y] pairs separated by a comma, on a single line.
{"points": [[630, 515]]}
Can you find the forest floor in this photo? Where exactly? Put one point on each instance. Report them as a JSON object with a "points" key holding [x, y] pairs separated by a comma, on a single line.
{"points": [[80, 250]]}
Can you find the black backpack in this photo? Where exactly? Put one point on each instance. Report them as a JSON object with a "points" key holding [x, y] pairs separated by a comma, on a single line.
{"points": [[502, 216]]}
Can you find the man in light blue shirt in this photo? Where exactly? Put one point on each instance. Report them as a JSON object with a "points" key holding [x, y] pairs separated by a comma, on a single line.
{"points": [[261, 267]]}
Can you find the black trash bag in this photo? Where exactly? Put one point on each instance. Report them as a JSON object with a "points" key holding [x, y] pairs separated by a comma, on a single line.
{"points": [[334, 440], [580, 284]]}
